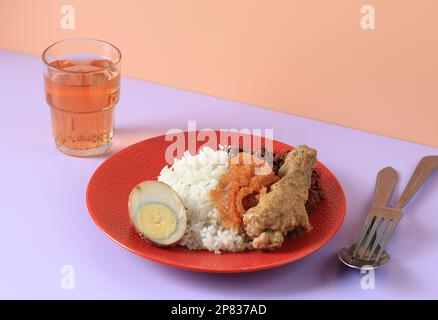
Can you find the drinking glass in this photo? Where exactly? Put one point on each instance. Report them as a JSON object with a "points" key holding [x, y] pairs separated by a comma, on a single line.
{"points": [[82, 84]]}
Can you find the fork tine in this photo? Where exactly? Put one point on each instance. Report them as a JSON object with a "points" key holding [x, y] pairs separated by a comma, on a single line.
{"points": [[366, 227], [370, 236], [387, 237], [378, 238]]}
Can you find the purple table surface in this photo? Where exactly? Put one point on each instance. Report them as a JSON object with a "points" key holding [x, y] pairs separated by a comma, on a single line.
{"points": [[45, 224]]}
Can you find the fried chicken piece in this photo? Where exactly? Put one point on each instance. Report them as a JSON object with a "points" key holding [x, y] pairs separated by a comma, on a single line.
{"points": [[268, 240], [283, 209]]}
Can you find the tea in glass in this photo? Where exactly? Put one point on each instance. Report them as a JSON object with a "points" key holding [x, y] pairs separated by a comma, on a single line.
{"points": [[82, 83]]}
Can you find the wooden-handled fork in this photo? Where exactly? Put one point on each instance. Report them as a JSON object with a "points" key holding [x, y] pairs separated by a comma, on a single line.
{"points": [[385, 183]]}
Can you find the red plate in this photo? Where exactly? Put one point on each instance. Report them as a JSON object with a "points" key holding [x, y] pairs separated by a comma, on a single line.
{"points": [[107, 201]]}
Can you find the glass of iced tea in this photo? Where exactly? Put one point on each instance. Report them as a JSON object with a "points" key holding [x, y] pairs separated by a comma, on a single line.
{"points": [[82, 83]]}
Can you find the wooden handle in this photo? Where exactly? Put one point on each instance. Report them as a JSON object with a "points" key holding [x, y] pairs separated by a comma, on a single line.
{"points": [[424, 168], [385, 184]]}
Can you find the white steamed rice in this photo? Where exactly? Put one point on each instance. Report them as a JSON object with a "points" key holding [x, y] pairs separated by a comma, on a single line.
{"points": [[193, 177]]}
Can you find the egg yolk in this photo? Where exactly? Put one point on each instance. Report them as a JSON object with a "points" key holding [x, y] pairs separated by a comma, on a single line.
{"points": [[156, 220]]}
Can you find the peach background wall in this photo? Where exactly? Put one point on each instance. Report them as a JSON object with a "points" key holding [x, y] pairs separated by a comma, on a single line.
{"points": [[309, 58]]}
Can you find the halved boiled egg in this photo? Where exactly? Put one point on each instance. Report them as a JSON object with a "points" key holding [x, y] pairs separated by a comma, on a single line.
{"points": [[157, 213]]}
